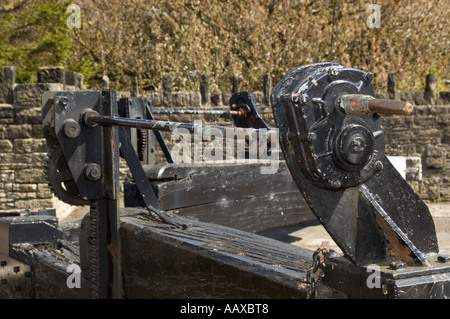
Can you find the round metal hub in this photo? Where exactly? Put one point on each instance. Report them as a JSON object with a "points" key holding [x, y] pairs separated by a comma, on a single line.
{"points": [[354, 147]]}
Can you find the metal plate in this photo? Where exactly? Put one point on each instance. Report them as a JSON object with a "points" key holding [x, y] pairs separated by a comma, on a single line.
{"points": [[15, 279]]}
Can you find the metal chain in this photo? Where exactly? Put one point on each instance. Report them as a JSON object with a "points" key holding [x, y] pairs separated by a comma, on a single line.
{"points": [[315, 272], [94, 266]]}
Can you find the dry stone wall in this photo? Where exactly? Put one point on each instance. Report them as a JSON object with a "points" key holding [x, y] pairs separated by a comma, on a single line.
{"points": [[421, 140], [23, 147]]}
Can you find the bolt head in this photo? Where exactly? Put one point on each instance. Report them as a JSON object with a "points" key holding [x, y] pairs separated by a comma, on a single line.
{"points": [[87, 114], [379, 166], [93, 171], [396, 265], [333, 72], [71, 128], [64, 101], [336, 183], [443, 258]]}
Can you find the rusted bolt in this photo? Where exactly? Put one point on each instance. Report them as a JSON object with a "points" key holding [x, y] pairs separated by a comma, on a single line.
{"points": [[16, 269], [64, 101], [17, 288], [4, 281], [27, 274], [336, 183], [3, 263], [93, 172], [396, 265], [71, 128], [379, 166]]}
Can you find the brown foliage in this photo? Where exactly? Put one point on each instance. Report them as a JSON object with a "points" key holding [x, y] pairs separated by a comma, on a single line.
{"points": [[185, 38]]}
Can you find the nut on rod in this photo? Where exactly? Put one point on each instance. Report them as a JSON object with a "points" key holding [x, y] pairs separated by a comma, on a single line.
{"points": [[365, 104]]}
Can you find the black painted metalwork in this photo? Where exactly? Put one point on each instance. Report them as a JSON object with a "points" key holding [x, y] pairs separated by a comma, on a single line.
{"points": [[333, 143], [337, 159], [248, 117]]}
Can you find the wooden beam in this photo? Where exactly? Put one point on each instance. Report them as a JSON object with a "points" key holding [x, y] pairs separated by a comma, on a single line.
{"points": [[208, 261], [233, 195]]}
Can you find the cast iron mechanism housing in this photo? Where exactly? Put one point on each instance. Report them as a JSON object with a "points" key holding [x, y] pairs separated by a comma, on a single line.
{"points": [[334, 144], [335, 150]]}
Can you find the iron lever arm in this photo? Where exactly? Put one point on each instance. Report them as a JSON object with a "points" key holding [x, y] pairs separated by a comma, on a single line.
{"points": [[92, 118], [210, 112]]}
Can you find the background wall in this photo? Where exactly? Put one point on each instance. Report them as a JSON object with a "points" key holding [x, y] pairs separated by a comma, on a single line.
{"points": [[419, 143]]}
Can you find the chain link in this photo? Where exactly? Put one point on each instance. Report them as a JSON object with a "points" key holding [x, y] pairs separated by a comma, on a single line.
{"points": [[315, 272], [94, 251]]}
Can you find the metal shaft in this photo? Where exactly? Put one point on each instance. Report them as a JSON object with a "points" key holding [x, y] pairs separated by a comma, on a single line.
{"points": [[365, 104], [212, 112], [92, 118]]}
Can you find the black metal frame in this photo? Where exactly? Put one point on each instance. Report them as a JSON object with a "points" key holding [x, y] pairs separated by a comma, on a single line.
{"points": [[335, 156]]}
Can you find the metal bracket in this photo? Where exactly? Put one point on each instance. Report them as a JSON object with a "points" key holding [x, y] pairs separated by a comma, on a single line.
{"points": [[17, 227], [386, 282], [248, 116]]}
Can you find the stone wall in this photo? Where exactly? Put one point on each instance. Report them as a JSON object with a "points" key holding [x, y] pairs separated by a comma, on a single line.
{"points": [[423, 139], [420, 142], [23, 147], [418, 145]]}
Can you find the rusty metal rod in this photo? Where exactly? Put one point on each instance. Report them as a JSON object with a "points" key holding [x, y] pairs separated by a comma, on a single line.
{"points": [[365, 104]]}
